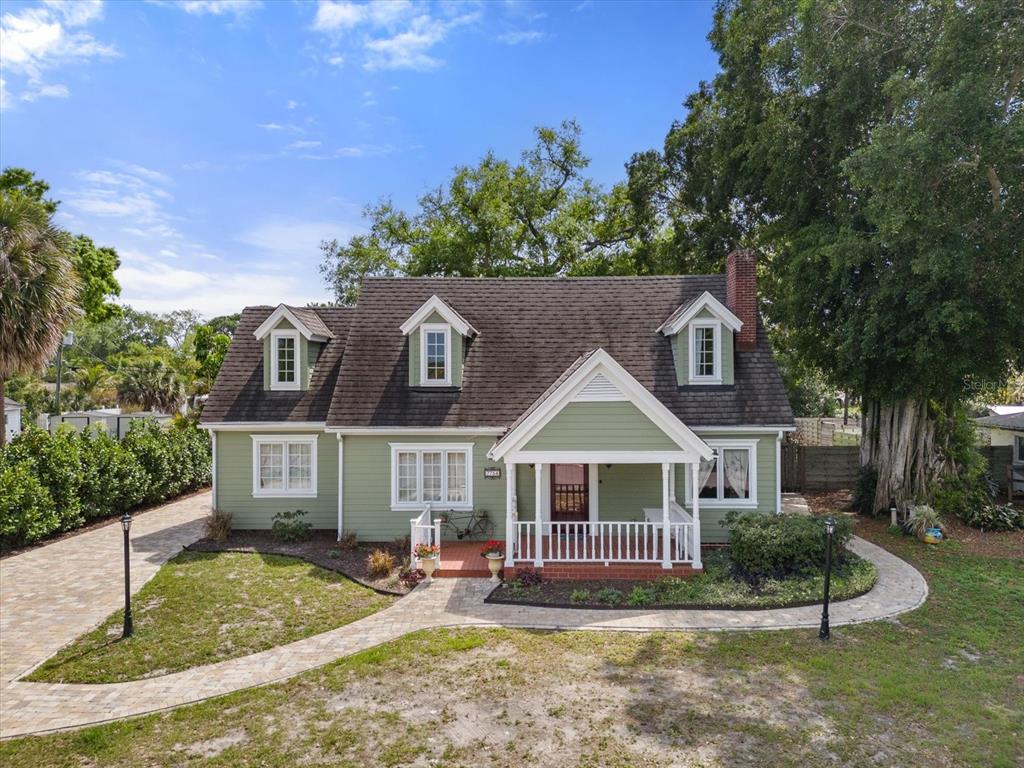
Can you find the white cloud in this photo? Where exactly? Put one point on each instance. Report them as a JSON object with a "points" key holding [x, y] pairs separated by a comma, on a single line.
{"points": [[5, 95], [303, 144], [237, 8], [297, 239], [291, 104], [337, 60], [133, 193], [394, 34], [519, 37], [42, 38]]}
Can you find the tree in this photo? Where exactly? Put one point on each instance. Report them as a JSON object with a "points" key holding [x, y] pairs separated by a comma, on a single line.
{"points": [[38, 288], [96, 267], [225, 324], [95, 382], [874, 151], [152, 384], [16, 182], [538, 217], [208, 347]]}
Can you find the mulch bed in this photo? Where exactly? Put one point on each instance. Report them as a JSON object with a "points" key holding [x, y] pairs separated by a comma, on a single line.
{"points": [[98, 523], [975, 542], [321, 549]]}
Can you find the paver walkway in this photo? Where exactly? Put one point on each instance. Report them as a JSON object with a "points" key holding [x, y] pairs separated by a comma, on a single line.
{"points": [[35, 707]]}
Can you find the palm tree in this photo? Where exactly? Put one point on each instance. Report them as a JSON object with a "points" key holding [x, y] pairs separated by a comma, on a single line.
{"points": [[94, 382], [151, 384], [38, 288]]}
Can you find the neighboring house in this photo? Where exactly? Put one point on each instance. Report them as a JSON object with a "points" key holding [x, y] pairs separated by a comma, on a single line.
{"points": [[597, 404], [12, 416]]}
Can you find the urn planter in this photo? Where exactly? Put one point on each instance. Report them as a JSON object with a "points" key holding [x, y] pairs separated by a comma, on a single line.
{"points": [[494, 562], [429, 565]]}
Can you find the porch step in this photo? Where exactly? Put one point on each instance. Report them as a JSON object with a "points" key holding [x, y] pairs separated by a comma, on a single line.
{"points": [[458, 573]]}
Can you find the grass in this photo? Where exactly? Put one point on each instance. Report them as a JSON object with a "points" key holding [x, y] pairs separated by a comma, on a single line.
{"points": [[941, 686], [206, 607], [717, 587]]}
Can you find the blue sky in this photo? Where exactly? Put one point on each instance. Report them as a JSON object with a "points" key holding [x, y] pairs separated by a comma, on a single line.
{"points": [[214, 144]]}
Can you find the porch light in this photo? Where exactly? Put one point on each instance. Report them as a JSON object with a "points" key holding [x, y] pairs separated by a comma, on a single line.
{"points": [[824, 632], [126, 524]]}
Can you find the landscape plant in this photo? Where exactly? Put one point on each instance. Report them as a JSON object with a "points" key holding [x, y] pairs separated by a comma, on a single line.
{"points": [[217, 525], [380, 563], [290, 526], [773, 546]]}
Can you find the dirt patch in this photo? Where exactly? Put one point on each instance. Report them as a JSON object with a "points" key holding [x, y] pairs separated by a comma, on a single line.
{"points": [[213, 747], [322, 549], [975, 542]]}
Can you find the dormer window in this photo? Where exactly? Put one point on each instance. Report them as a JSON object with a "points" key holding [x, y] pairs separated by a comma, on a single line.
{"points": [[705, 362], [284, 368], [435, 346]]}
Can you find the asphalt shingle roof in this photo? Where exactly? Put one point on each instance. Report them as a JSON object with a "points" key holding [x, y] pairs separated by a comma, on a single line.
{"points": [[530, 331], [1011, 421], [238, 393]]}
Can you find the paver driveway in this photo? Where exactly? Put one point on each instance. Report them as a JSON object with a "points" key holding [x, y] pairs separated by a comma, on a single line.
{"points": [[84, 602]]}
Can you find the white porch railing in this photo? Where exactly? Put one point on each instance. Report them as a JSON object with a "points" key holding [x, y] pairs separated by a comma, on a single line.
{"points": [[603, 542], [423, 530]]}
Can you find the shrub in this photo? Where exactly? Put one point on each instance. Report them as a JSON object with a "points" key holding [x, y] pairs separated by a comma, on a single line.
{"points": [[923, 517], [528, 578], [640, 596], [27, 511], [774, 546], [579, 595], [864, 493], [609, 596], [290, 526], [412, 577], [996, 517], [217, 525], [56, 462], [380, 563], [349, 540], [113, 481]]}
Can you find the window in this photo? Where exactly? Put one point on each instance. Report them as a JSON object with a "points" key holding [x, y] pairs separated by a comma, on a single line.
{"points": [[284, 465], [1018, 453], [438, 474], [284, 370], [730, 477], [435, 355], [705, 352]]}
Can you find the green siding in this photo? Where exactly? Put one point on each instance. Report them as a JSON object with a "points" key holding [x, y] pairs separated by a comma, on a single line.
{"points": [[681, 351], [601, 426], [458, 353], [368, 485], [234, 483]]}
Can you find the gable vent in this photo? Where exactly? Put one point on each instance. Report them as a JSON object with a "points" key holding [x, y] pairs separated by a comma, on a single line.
{"points": [[597, 390]]}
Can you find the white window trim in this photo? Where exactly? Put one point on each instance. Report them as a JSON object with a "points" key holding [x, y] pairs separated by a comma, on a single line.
{"points": [[285, 440], [1018, 449], [717, 351], [284, 385], [720, 503], [436, 328], [419, 449]]}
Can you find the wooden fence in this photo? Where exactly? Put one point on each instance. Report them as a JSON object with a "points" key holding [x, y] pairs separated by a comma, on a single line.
{"points": [[826, 468]]}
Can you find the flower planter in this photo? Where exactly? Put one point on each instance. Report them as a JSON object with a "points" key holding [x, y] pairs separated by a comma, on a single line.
{"points": [[494, 564], [429, 565], [933, 536]]}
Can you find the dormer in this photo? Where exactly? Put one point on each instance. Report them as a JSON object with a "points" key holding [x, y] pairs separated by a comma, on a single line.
{"points": [[293, 338], [702, 331], [437, 342]]}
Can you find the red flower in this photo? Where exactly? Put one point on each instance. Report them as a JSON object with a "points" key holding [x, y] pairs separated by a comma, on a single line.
{"points": [[493, 547]]}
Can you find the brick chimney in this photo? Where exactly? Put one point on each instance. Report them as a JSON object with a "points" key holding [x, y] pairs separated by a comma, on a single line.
{"points": [[741, 294]]}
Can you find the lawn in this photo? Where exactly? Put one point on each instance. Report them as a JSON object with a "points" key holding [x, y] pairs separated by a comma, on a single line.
{"points": [[206, 607], [717, 587], [941, 686]]}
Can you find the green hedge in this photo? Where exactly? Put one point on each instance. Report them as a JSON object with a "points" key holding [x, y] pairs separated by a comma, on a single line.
{"points": [[51, 483], [776, 546]]}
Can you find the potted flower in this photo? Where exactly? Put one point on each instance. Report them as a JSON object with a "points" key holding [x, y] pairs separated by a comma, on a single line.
{"points": [[494, 551], [427, 555]]}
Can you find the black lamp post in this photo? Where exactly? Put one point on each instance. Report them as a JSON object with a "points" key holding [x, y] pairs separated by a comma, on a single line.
{"points": [[830, 528], [126, 524]]}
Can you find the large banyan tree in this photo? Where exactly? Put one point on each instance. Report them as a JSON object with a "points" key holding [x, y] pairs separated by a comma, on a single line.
{"points": [[874, 151]]}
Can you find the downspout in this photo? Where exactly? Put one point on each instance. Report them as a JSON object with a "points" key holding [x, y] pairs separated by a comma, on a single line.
{"points": [[341, 484], [778, 473]]}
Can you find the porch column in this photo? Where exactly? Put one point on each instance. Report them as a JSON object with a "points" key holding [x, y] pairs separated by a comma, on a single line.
{"points": [[538, 500], [672, 481], [694, 478], [511, 518], [666, 543]]}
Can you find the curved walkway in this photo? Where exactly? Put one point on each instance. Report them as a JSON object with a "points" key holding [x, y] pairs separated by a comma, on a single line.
{"points": [[37, 707]]}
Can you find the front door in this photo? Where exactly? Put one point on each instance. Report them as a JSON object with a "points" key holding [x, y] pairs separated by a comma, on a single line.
{"points": [[570, 493]]}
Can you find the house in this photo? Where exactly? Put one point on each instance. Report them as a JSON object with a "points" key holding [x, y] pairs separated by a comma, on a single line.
{"points": [[594, 404], [1007, 429], [12, 418]]}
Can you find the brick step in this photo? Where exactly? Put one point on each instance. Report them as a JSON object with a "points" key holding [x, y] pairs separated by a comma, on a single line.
{"points": [[455, 573]]}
